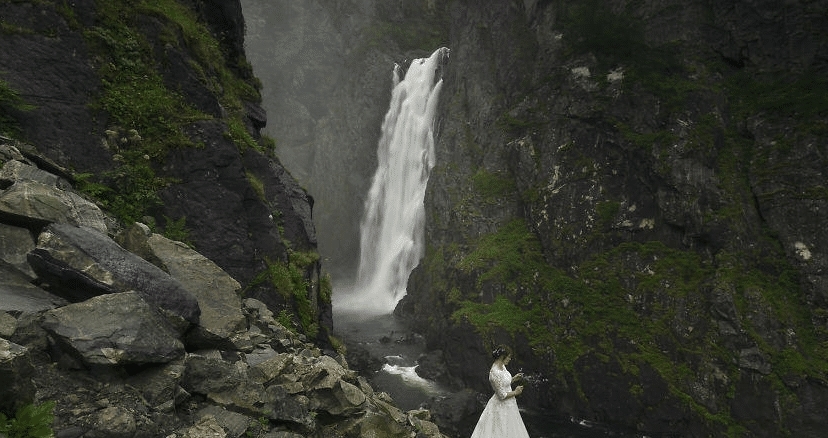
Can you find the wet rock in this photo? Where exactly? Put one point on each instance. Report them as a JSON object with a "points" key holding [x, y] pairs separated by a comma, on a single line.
{"points": [[15, 244], [80, 263], [19, 295], [114, 422], [41, 204], [114, 329], [15, 170], [221, 322], [754, 359], [16, 371], [234, 424], [160, 386]]}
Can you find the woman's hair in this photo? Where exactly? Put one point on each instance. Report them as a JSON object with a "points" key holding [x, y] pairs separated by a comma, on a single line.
{"points": [[501, 351]]}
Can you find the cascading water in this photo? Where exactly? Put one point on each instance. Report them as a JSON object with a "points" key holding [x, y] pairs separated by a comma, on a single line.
{"points": [[391, 240]]}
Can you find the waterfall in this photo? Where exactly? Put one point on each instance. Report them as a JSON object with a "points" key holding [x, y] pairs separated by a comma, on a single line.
{"points": [[391, 231]]}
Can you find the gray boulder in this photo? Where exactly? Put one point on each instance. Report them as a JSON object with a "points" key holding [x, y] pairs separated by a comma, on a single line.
{"points": [[40, 204], [114, 329], [15, 243], [18, 295], [160, 386], [16, 371], [221, 323], [16, 170], [80, 263]]}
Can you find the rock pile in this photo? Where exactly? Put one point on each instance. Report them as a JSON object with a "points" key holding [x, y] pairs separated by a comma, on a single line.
{"points": [[135, 335]]}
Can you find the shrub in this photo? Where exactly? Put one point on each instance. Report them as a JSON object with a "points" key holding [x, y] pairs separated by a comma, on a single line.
{"points": [[30, 421]]}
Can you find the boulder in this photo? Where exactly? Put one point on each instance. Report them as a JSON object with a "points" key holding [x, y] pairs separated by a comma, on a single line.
{"points": [[16, 371], [233, 423], [15, 243], [114, 329], [206, 427], [18, 295], [80, 262], [207, 372], [39, 204], [221, 323], [16, 170], [160, 386], [112, 422]]}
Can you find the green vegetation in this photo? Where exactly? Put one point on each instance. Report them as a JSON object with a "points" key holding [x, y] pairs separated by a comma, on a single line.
{"points": [[30, 421], [420, 28], [10, 103], [534, 292], [136, 100], [614, 38], [176, 229], [800, 96], [641, 295], [607, 211], [289, 279], [492, 186], [127, 191]]}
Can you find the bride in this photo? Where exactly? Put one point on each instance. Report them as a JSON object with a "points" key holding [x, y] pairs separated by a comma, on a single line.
{"points": [[501, 417]]}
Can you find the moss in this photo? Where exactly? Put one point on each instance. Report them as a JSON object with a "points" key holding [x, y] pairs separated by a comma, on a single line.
{"points": [[419, 28], [592, 27], [646, 140], [408, 35], [512, 257], [607, 211], [257, 185], [10, 103], [12, 29], [492, 186], [514, 125], [134, 97], [176, 229], [800, 96], [238, 134], [502, 256], [290, 280]]}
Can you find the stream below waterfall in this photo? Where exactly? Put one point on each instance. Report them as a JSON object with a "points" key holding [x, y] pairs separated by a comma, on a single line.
{"points": [[394, 350]]}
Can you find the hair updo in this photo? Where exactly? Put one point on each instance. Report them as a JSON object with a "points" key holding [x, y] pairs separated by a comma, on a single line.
{"points": [[501, 351]]}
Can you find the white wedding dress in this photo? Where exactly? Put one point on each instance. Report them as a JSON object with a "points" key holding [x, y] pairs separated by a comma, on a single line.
{"points": [[500, 418]]}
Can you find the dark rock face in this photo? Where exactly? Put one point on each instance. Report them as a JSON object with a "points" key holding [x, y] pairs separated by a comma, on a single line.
{"points": [[648, 178], [54, 75], [240, 207]]}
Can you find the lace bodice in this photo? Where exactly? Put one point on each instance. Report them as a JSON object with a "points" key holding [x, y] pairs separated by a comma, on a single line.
{"points": [[501, 381], [501, 417]]}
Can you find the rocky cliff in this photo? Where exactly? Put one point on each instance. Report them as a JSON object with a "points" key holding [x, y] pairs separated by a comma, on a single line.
{"points": [[633, 195], [122, 347], [151, 109], [327, 84], [209, 320]]}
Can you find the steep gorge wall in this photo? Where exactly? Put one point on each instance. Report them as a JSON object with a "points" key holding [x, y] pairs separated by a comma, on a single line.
{"points": [[326, 69], [152, 109], [633, 195]]}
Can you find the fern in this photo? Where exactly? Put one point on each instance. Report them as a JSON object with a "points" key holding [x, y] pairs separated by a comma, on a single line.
{"points": [[31, 421]]}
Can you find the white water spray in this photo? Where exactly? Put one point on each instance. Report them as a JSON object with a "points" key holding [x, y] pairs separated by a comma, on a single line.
{"points": [[391, 232]]}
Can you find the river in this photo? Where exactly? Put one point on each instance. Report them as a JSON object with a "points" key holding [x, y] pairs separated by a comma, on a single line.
{"points": [[395, 349]]}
